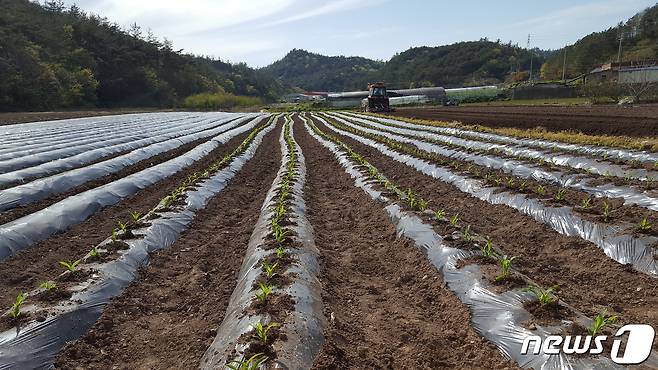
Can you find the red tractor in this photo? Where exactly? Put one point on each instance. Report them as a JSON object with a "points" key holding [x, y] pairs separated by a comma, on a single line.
{"points": [[377, 100]]}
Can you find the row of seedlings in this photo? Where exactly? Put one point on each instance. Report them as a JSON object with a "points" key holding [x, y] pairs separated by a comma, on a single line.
{"points": [[42, 321], [274, 317], [507, 306], [58, 217], [622, 150], [579, 165], [625, 243], [571, 187]]}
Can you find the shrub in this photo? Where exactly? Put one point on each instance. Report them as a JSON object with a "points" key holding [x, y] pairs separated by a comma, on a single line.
{"points": [[219, 101]]}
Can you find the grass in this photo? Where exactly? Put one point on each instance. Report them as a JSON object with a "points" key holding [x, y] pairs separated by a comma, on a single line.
{"points": [[208, 101]]}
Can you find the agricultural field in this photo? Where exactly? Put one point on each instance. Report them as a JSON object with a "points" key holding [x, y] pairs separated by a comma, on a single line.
{"points": [[324, 240]]}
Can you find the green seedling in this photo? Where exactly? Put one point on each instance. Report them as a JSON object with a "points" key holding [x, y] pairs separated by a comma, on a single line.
{"points": [[600, 321], [559, 196], [498, 181], [411, 198], [269, 268], [48, 285], [123, 226], [264, 291], [422, 205], [544, 296], [510, 182], [440, 214], [644, 225], [454, 220], [253, 363], [70, 266], [280, 211], [586, 203], [280, 234], [541, 190], [262, 331], [115, 235], [505, 265], [466, 234], [15, 310], [606, 211], [280, 252], [135, 216], [487, 249], [523, 185], [93, 253]]}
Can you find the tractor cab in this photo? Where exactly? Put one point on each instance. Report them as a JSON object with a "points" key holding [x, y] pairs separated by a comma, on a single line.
{"points": [[377, 100]]}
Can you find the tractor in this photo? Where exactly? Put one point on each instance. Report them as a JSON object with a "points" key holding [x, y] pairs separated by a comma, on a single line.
{"points": [[377, 100]]}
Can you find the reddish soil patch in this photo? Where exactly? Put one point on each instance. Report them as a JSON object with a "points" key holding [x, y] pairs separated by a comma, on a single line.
{"points": [[29, 267], [634, 121], [385, 303], [168, 318], [588, 279]]}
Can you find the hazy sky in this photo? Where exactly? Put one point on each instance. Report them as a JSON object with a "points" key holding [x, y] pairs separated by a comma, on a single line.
{"points": [[259, 32]]}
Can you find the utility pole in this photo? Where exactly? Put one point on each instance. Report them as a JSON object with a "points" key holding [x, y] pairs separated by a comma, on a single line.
{"points": [[564, 65], [531, 55], [621, 37]]}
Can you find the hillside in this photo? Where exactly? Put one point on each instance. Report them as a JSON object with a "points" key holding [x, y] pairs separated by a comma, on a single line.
{"points": [[311, 71], [56, 57], [460, 64], [640, 43]]}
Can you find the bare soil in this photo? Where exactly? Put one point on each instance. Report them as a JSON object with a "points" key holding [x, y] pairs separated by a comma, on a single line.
{"points": [[636, 121], [386, 304], [167, 318]]}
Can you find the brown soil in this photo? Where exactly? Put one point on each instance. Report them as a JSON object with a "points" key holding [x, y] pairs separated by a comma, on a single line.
{"points": [[29, 267], [588, 279], [168, 318], [18, 212], [385, 303], [637, 121]]}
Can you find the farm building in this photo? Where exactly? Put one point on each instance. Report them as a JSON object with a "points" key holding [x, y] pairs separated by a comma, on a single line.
{"points": [[627, 72]]}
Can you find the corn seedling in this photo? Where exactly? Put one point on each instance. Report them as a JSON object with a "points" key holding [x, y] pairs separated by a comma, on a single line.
{"points": [[264, 291], [269, 268], [280, 252], [280, 234], [510, 182], [454, 220], [48, 285], [411, 198], [586, 203], [559, 196], [440, 214], [544, 296], [115, 235], [422, 205], [541, 190], [135, 216], [93, 253], [487, 249], [505, 265], [70, 266], [466, 234], [523, 185], [262, 331], [606, 211], [600, 321], [252, 363], [18, 303], [644, 225]]}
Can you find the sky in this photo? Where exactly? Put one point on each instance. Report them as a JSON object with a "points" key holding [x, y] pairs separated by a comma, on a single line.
{"points": [[259, 32]]}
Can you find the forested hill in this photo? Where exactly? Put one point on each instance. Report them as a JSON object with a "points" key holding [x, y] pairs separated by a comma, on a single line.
{"points": [[639, 43], [311, 71], [56, 57], [461, 64]]}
